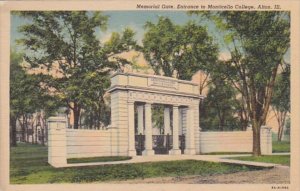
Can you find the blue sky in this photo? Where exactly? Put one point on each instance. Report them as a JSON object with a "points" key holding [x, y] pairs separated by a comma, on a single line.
{"points": [[118, 20]]}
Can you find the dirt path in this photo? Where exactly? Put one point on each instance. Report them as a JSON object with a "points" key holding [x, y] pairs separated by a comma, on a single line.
{"points": [[279, 175]]}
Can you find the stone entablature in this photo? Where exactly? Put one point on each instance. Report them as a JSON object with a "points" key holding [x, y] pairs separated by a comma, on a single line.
{"points": [[161, 98], [155, 84]]}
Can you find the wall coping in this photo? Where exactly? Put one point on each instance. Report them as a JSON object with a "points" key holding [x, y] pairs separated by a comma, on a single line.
{"points": [[153, 76], [152, 90], [57, 118]]}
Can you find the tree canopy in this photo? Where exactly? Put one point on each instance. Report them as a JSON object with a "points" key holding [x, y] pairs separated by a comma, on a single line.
{"points": [[257, 42], [179, 51], [281, 98], [65, 42]]}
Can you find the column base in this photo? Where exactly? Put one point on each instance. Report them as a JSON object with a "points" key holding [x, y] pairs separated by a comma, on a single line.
{"points": [[132, 153], [148, 152], [189, 151], [175, 152]]}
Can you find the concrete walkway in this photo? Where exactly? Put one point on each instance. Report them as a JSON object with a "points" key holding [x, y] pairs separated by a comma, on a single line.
{"points": [[210, 158]]}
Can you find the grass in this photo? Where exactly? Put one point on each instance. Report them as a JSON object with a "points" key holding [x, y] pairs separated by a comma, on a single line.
{"points": [[276, 159], [282, 146], [226, 153], [28, 165], [98, 159]]}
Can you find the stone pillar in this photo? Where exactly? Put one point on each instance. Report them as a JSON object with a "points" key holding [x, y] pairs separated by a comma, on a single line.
{"points": [[190, 139], [140, 111], [119, 120], [167, 120], [131, 134], [180, 121], [175, 150], [197, 129], [266, 140], [57, 152], [148, 131]]}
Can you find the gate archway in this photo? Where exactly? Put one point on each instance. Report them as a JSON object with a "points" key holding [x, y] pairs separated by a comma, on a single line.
{"points": [[182, 97]]}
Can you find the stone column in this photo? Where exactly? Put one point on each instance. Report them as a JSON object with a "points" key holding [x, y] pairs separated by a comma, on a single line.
{"points": [[180, 121], [175, 150], [167, 120], [190, 139], [131, 134], [148, 131], [140, 110]]}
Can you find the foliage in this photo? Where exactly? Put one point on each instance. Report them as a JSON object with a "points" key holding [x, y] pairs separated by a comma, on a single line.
{"points": [[26, 96], [158, 117], [65, 42], [24, 89], [174, 50], [258, 42], [219, 107], [281, 98], [29, 165]]}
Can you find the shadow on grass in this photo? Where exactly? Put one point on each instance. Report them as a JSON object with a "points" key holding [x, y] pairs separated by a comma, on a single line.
{"points": [[98, 159]]}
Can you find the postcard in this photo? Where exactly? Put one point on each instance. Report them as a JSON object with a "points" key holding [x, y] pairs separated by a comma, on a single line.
{"points": [[166, 95]]}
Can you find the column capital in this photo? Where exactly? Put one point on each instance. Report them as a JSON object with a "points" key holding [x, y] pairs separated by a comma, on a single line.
{"points": [[147, 104], [175, 105]]}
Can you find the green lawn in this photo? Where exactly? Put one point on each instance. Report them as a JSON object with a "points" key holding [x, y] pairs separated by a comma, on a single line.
{"points": [[29, 166], [279, 147], [226, 153], [98, 159], [277, 159]]}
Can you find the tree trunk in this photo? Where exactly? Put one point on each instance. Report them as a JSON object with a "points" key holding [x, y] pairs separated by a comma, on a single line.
{"points": [[256, 139], [45, 137], [280, 116], [13, 125], [76, 112], [36, 134], [23, 129], [222, 122]]}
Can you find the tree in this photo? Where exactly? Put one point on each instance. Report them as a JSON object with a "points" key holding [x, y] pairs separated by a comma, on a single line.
{"points": [[16, 74], [158, 117], [257, 42], [281, 98], [180, 51], [24, 92], [220, 107], [65, 43], [26, 97]]}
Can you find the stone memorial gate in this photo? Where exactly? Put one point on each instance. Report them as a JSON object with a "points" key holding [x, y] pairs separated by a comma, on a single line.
{"points": [[132, 131]]}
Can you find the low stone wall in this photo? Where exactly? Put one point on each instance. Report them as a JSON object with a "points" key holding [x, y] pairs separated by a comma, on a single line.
{"points": [[237, 141], [66, 143], [79, 143], [92, 143]]}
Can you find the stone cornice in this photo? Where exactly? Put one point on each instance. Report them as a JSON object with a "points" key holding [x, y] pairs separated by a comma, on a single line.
{"points": [[154, 76], [151, 90]]}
